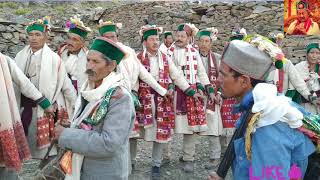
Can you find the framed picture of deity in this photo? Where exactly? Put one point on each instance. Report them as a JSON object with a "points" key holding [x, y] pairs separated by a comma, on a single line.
{"points": [[302, 17]]}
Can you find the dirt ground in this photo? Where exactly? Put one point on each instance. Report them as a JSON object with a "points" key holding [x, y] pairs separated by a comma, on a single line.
{"points": [[171, 171]]}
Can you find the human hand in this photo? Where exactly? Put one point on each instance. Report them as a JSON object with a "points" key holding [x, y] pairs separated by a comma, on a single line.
{"points": [[57, 131], [214, 176]]}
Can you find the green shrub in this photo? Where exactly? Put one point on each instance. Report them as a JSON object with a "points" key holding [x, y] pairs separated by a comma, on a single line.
{"points": [[12, 5], [22, 11]]}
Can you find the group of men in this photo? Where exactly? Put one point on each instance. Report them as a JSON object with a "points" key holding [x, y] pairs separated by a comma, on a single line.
{"points": [[97, 102]]}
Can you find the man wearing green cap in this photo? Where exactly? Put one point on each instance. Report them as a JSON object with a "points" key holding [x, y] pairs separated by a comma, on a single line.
{"points": [[133, 71], [156, 119], [211, 63], [130, 67], [167, 41], [290, 83], [44, 69], [303, 25], [190, 112], [74, 53], [267, 143], [103, 118], [309, 71]]}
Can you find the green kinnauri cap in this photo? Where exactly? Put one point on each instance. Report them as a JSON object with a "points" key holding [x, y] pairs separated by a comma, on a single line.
{"points": [[150, 32], [36, 26], [204, 33], [167, 33], [312, 46], [107, 28], [81, 32], [108, 48]]}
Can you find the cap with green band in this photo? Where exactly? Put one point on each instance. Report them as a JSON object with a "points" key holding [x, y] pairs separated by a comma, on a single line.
{"points": [[204, 33], [41, 25], [312, 46], [78, 31], [76, 26], [150, 32], [108, 48], [37, 27], [211, 32], [107, 28], [167, 33]]}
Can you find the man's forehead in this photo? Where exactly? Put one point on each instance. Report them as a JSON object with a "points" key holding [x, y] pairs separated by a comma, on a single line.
{"points": [[153, 37], [302, 10], [181, 32], [72, 35], [204, 38], [110, 33], [94, 54]]}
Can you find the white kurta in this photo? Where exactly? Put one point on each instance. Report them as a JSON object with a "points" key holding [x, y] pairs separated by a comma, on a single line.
{"points": [[163, 48], [22, 82], [133, 70], [292, 80], [214, 120], [149, 134], [76, 66], [32, 71], [312, 81], [179, 58], [32, 68]]}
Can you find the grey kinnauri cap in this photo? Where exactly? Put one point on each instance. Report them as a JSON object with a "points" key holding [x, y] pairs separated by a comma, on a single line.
{"points": [[248, 60]]}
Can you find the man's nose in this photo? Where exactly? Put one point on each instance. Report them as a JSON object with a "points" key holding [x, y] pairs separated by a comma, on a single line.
{"points": [[89, 65]]}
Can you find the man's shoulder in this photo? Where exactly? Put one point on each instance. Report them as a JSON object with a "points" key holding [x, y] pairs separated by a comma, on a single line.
{"points": [[120, 93]]}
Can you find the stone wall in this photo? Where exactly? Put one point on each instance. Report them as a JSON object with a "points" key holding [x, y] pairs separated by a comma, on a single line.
{"points": [[256, 17]]}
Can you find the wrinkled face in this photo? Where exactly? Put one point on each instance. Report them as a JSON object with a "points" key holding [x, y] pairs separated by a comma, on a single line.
{"points": [[152, 43], [168, 40], [313, 56], [97, 67], [302, 15], [182, 39], [74, 43], [232, 86], [36, 39], [204, 43], [111, 35]]}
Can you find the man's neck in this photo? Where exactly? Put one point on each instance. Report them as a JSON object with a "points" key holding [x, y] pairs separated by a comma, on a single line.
{"points": [[312, 66], [204, 52], [152, 53], [182, 47], [34, 50], [240, 98], [97, 84], [75, 52], [167, 45]]}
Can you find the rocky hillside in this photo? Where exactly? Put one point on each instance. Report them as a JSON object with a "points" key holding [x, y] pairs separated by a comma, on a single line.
{"points": [[257, 17]]}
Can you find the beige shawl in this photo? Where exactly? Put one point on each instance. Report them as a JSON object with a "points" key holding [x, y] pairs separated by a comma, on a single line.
{"points": [[13, 143], [51, 80]]}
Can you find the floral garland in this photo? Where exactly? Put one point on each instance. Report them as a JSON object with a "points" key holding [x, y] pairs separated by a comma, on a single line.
{"points": [[267, 46], [43, 21], [76, 22], [103, 23]]}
